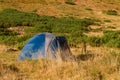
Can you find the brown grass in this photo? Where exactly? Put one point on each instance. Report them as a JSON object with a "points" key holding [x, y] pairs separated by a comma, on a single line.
{"points": [[2, 48], [99, 64]]}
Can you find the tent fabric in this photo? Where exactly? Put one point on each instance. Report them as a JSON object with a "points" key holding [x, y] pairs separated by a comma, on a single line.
{"points": [[46, 45]]}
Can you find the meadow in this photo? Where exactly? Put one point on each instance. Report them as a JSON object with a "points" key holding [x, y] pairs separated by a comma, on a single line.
{"points": [[72, 28], [87, 67], [16, 27]]}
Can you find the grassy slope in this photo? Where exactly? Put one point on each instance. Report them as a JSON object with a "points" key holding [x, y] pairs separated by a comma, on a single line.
{"points": [[87, 67], [83, 8], [102, 65]]}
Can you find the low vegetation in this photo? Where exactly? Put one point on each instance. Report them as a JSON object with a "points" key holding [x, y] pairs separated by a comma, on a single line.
{"points": [[112, 12], [70, 27], [62, 26], [92, 67], [16, 27], [70, 2]]}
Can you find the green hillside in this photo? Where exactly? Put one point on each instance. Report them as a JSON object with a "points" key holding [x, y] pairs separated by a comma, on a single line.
{"points": [[94, 22], [70, 27]]}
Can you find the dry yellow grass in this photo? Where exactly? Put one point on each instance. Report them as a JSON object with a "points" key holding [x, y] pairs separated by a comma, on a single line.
{"points": [[98, 64], [2, 47]]}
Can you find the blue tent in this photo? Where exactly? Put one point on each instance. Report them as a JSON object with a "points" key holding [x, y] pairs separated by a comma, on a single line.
{"points": [[46, 45]]}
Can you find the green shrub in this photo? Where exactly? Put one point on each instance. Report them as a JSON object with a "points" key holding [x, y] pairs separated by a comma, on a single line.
{"points": [[111, 38], [111, 27], [12, 17], [107, 20], [15, 40], [8, 40], [89, 9], [20, 45], [87, 21], [114, 43], [110, 35], [95, 41], [111, 12], [7, 32], [70, 2], [70, 27]]}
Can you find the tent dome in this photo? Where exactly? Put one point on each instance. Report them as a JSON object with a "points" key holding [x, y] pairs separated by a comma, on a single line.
{"points": [[46, 45]]}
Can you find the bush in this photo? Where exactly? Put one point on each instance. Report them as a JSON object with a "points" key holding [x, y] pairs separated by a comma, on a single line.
{"points": [[70, 27], [111, 38], [89, 9], [70, 2], [8, 40], [112, 12], [87, 21], [6, 32], [20, 45], [111, 27], [95, 41], [114, 43], [13, 17], [107, 21], [110, 35]]}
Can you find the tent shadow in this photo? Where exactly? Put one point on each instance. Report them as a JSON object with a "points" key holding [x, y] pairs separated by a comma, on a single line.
{"points": [[85, 57]]}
